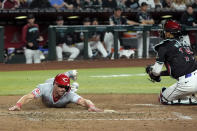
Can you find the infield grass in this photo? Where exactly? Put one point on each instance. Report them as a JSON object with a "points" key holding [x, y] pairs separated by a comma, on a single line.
{"points": [[99, 80]]}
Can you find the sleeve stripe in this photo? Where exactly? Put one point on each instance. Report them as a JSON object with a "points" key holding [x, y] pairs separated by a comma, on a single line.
{"points": [[159, 62]]}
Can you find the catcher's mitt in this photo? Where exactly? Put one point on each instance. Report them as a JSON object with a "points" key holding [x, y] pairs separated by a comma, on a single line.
{"points": [[153, 78]]}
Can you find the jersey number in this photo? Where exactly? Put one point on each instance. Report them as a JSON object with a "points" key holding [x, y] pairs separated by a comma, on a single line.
{"points": [[187, 52]]}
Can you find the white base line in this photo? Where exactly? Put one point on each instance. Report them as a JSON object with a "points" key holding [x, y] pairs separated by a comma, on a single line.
{"points": [[121, 119], [146, 105], [120, 75], [181, 116]]}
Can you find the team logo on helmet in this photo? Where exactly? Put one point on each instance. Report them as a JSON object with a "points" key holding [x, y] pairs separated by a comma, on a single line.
{"points": [[62, 79]]}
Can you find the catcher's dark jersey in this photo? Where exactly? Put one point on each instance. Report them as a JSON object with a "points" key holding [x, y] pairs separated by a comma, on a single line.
{"points": [[177, 57]]}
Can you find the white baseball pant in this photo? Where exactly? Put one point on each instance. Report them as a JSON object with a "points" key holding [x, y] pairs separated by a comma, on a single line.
{"points": [[80, 46], [99, 46], [91, 46], [140, 45], [74, 52], [109, 41], [185, 86], [32, 56]]}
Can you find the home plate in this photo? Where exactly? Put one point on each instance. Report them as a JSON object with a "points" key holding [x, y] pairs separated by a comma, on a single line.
{"points": [[110, 111]]}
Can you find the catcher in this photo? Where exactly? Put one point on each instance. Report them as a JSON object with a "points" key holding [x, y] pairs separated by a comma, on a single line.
{"points": [[57, 92], [180, 63]]}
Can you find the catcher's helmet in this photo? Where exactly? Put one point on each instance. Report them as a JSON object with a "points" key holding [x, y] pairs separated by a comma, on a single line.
{"points": [[173, 27], [63, 81]]}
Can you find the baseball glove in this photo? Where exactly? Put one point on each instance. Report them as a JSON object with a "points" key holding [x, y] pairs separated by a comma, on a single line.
{"points": [[153, 78]]}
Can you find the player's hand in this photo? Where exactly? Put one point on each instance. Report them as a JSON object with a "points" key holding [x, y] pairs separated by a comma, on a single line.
{"points": [[30, 44], [14, 108], [73, 74], [95, 109], [40, 38]]}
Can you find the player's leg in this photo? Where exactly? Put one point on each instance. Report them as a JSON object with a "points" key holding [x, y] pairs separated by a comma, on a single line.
{"points": [[59, 53], [90, 53], [178, 92], [101, 49], [80, 45], [36, 56], [28, 56], [147, 45], [108, 41], [140, 45], [74, 52]]}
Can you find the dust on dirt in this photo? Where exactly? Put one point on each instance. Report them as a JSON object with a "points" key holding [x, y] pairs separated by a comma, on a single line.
{"points": [[134, 112]]}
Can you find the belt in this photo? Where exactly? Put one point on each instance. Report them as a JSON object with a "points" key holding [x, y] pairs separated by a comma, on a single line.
{"points": [[188, 75]]}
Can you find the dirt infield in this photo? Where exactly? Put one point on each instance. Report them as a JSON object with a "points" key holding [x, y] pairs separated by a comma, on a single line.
{"points": [[134, 112], [77, 64]]}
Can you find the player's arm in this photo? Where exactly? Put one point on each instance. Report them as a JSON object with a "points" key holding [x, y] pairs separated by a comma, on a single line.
{"points": [[23, 100], [164, 73], [151, 21], [148, 21], [89, 104], [58, 6], [111, 22], [130, 22], [157, 67]]}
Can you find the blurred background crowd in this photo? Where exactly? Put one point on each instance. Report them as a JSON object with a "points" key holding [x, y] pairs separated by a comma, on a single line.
{"points": [[29, 36], [96, 4]]}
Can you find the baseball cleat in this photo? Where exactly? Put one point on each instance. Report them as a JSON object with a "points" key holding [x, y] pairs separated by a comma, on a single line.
{"points": [[160, 97]]}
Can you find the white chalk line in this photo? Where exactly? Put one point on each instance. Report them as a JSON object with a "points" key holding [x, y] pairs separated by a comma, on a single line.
{"points": [[120, 75], [181, 116], [147, 105], [106, 119], [79, 112]]}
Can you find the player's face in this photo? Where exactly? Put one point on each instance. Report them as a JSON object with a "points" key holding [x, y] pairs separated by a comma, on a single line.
{"points": [[190, 10], [144, 8], [31, 21], [59, 90], [168, 35], [118, 13], [95, 22], [86, 23], [60, 22]]}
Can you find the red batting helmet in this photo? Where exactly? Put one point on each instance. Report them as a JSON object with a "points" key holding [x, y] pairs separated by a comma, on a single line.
{"points": [[63, 81]]}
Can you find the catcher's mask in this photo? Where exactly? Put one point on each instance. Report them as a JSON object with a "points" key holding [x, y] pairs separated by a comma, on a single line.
{"points": [[63, 81], [173, 27]]}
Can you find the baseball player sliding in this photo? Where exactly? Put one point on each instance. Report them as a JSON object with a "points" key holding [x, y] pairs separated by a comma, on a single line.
{"points": [[180, 64], [57, 92]]}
